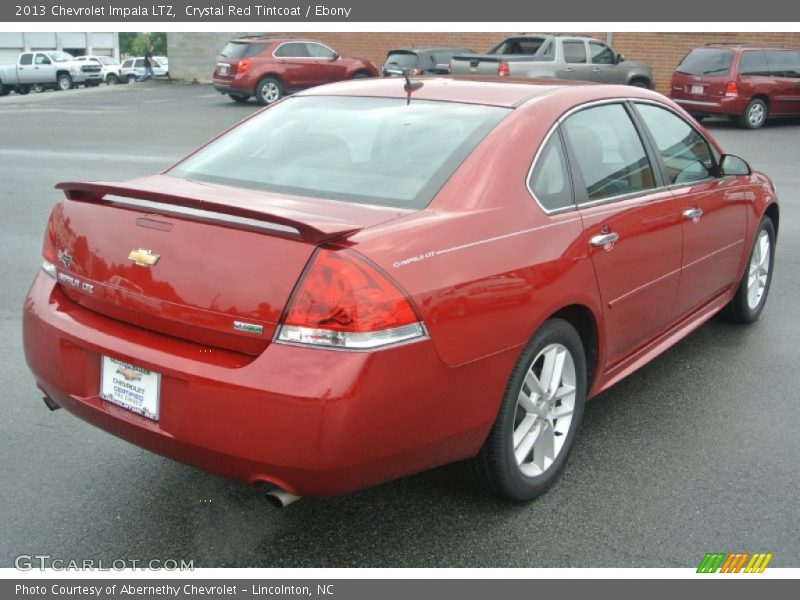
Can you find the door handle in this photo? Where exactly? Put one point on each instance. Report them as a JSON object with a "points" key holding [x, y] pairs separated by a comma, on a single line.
{"points": [[596, 69], [693, 214], [604, 240], [569, 70]]}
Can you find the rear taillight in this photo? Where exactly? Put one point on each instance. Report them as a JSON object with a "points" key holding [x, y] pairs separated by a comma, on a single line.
{"points": [[731, 89], [344, 301], [503, 69], [243, 65]]}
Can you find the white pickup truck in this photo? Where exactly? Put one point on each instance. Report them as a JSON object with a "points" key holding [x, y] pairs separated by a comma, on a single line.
{"points": [[47, 69]]}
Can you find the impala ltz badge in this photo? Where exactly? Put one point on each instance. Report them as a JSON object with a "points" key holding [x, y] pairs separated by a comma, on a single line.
{"points": [[248, 327], [143, 258]]}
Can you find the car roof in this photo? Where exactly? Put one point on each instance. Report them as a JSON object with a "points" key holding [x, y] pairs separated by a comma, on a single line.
{"points": [[490, 91], [425, 49], [269, 39]]}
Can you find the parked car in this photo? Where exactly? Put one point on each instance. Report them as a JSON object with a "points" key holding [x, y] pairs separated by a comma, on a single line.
{"points": [[133, 69], [270, 67], [746, 82], [46, 69], [295, 346], [555, 57], [420, 61], [111, 69]]}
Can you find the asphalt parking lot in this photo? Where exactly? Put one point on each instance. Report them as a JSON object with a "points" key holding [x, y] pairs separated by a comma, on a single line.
{"points": [[697, 452]]}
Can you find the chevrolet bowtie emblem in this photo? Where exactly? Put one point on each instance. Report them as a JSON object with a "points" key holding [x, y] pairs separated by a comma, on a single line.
{"points": [[143, 258], [129, 374]]}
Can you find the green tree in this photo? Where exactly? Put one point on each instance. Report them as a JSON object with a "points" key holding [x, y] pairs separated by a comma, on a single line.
{"points": [[135, 44]]}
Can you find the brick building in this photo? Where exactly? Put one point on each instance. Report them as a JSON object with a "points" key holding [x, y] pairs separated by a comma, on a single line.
{"points": [[192, 54]]}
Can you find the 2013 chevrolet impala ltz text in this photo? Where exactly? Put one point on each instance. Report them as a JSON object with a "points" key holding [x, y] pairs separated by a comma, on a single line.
{"points": [[372, 278]]}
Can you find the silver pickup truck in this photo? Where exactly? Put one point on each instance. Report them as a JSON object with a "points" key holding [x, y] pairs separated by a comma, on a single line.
{"points": [[554, 57], [47, 69]]}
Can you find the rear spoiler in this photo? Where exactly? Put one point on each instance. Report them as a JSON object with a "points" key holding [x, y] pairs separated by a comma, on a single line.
{"points": [[275, 220]]}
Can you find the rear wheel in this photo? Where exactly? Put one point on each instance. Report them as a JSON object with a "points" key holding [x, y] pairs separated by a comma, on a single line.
{"points": [[538, 417], [269, 90], [238, 98], [23, 89], [39, 88], [755, 115], [131, 79], [112, 79], [64, 82], [361, 75], [751, 295], [640, 83]]}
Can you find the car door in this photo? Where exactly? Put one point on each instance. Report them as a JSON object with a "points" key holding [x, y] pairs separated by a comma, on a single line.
{"points": [[713, 210], [25, 72], [43, 68], [604, 67], [327, 63], [574, 61], [297, 68], [631, 223], [784, 67]]}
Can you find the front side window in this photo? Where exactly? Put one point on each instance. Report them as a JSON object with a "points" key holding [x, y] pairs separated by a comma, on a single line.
{"points": [[685, 152], [139, 64], [574, 52], [292, 50], [127, 64], [41, 59], [610, 155], [549, 180], [320, 51], [601, 54], [353, 149], [784, 63], [753, 62]]}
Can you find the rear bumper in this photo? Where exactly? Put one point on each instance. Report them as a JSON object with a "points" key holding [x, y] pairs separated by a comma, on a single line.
{"points": [[733, 105], [314, 422], [228, 86]]}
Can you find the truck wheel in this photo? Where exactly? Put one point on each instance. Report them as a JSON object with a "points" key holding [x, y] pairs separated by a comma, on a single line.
{"points": [[23, 89], [268, 90], [5, 90], [112, 79], [65, 82]]}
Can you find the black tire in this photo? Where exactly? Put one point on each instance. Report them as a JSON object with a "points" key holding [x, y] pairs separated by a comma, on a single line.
{"points": [[361, 75], [23, 89], [641, 83], [739, 310], [269, 90], [239, 99], [495, 465], [112, 79], [5, 90], [131, 79], [754, 115], [64, 82]]}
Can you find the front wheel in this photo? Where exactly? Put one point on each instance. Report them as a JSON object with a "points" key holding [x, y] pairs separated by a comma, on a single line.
{"points": [[755, 115], [539, 415], [268, 90], [23, 89], [751, 295], [64, 82], [112, 79]]}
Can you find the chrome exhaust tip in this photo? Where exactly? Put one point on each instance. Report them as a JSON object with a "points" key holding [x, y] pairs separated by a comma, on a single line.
{"points": [[281, 498]]}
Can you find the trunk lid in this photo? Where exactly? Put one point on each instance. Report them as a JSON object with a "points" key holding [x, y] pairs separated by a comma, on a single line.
{"points": [[207, 263]]}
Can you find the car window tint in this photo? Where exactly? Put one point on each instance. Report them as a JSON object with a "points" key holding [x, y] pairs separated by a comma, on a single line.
{"points": [[319, 51], [753, 62], [26, 59], [706, 61], [601, 54], [574, 52], [784, 63], [550, 181], [685, 152], [366, 150], [254, 49], [610, 156], [41, 59], [292, 50]]}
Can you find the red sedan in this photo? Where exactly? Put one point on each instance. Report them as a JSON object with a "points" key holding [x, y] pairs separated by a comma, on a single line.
{"points": [[371, 278]]}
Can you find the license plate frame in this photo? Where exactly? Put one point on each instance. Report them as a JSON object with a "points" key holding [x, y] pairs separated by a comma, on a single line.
{"points": [[131, 387], [697, 90]]}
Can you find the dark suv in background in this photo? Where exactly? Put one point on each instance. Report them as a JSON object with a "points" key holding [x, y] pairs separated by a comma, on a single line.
{"points": [[745, 82], [270, 67], [420, 61]]}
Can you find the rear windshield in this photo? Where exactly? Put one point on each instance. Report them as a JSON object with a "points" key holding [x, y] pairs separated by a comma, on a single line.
{"points": [[706, 61], [527, 45], [403, 60], [383, 151], [236, 50]]}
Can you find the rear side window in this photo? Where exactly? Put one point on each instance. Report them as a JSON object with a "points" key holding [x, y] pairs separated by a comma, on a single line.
{"points": [[139, 63], [601, 54], [685, 152], [609, 154], [574, 52], [292, 50], [549, 181], [354, 149], [784, 63], [706, 61], [753, 62], [26, 59]]}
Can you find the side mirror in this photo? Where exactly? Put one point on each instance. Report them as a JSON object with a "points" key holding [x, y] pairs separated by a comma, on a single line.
{"points": [[335, 56], [733, 165], [620, 58]]}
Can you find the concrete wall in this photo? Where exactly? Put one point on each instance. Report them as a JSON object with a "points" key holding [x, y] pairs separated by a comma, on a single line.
{"points": [[101, 43], [192, 54]]}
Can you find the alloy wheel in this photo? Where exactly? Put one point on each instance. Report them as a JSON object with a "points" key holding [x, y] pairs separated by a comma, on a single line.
{"points": [[270, 92], [758, 271], [756, 114]]}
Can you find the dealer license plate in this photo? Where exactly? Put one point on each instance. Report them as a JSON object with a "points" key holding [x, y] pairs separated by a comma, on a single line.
{"points": [[697, 89], [130, 387]]}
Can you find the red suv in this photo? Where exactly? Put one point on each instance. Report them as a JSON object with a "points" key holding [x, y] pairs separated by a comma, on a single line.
{"points": [[270, 67], [746, 82]]}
